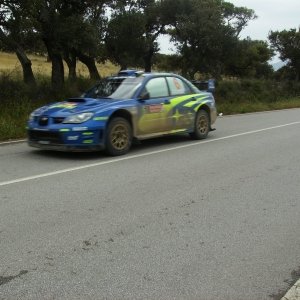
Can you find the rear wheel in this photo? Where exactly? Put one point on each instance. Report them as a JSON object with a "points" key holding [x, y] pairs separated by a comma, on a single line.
{"points": [[118, 137], [202, 125]]}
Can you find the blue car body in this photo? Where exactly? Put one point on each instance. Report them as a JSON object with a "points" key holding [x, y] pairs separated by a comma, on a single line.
{"points": [[153, 104]]}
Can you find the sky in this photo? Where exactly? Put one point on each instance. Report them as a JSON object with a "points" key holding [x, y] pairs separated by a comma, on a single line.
{"points": [[271, 15]]}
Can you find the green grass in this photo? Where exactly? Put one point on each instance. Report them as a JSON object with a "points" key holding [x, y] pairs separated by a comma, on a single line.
{"points": [[13, 120], [17, 101], [248, 107]]}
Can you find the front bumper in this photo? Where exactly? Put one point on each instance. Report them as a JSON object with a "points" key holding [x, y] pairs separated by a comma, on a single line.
{"points": [[66, 140], [66, 148]]}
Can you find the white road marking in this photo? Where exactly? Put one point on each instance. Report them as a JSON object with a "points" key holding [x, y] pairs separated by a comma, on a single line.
{"points": [[129, 157], [293, 293], [12, 142]]}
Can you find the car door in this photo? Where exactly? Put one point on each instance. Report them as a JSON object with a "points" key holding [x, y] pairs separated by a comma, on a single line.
{"points": [[153, 110], [180, 115]]}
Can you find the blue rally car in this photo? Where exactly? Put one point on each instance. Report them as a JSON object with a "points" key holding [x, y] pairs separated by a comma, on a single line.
{"points": [[130, 105]]}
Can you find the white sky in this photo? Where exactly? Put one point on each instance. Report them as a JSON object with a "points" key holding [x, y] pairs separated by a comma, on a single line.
{"points": [[271, 15]]}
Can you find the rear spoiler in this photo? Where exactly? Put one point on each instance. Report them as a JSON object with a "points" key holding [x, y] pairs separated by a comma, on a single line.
{"points": [[205, 85]]}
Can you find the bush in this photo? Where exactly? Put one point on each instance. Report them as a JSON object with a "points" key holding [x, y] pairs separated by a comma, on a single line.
{"points": [[254, 91], [17, 101]]}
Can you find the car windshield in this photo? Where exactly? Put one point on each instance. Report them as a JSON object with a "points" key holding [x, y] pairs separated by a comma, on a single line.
{"points": [[115, 88]]}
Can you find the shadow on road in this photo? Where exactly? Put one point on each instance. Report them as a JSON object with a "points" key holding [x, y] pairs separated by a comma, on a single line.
{"points": [[137, 148]]}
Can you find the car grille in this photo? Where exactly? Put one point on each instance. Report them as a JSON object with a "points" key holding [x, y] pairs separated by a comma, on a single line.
{"points": [[58, 120], [52, 137]]}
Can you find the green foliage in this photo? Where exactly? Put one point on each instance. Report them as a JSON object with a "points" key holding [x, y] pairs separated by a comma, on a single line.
{"points": [[250, 107], [254, 91], [133, 31], [18, 101], [124, 41], [245, 96], [236, 18], [287, 43], [206, 32], [168, 63], [249, 59], [206, 35]]}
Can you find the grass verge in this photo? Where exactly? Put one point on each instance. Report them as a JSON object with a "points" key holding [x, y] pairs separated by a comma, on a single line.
{"points": [[248, 107]]}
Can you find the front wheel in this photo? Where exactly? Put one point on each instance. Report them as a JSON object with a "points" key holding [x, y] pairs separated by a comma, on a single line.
{"points": [[202, 125], [118, 137]]}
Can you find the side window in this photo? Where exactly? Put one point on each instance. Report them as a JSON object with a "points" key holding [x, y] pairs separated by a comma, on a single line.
{"points": [[157, 87], [177, 86]]}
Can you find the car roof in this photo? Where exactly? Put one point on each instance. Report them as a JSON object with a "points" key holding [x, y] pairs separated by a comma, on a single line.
{"points": [[136, 74]]}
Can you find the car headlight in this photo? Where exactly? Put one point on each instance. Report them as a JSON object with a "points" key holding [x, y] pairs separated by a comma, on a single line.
{"points": [[31, 117], [79, 118]]}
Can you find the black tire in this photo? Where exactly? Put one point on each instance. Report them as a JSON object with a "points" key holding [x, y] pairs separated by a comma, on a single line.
{"points": [[202, 125], [118, 137]]}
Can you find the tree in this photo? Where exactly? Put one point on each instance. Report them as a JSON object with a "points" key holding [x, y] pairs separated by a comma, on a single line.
{"points": [[125, 39], [48, 23], [168, 62], [287, 44], [205, 32], [249, 59], [236, 18], [80, 41], [143, 30], [156, 23], [90, 42], [15, 30]]}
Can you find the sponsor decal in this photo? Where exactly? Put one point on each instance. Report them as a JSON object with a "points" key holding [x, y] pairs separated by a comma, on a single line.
{"points": [[177, 84], [64, 130], [88, 142], [40, 129], [73, 138], [155, 108], [68, 105], [80, 128]]}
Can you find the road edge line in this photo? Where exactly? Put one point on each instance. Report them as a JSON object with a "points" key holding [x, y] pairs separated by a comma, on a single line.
{"points": [[9, 142], [293, 293]]}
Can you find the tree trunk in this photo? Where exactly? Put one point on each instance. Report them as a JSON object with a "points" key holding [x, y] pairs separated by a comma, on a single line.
{"points": [[297, 73], [91, 65], [123, 66], [148, 60], [57, 75], [28, 76], [70, 59], [58, 78]]}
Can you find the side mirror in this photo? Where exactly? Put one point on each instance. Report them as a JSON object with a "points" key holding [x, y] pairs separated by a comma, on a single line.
{"points": [[144, 95]]}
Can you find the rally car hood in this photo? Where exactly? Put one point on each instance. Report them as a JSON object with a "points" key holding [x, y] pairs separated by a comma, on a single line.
{"points": [[76, 105]]}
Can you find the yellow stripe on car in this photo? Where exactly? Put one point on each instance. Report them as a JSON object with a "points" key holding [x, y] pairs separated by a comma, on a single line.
{"points": [[64, 130]]}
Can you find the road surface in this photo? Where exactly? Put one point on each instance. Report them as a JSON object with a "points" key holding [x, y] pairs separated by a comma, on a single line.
{"points": [[173, 219]]}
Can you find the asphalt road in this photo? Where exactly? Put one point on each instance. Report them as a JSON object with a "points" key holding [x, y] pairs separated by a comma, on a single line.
{"points": [[173, 219]]}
